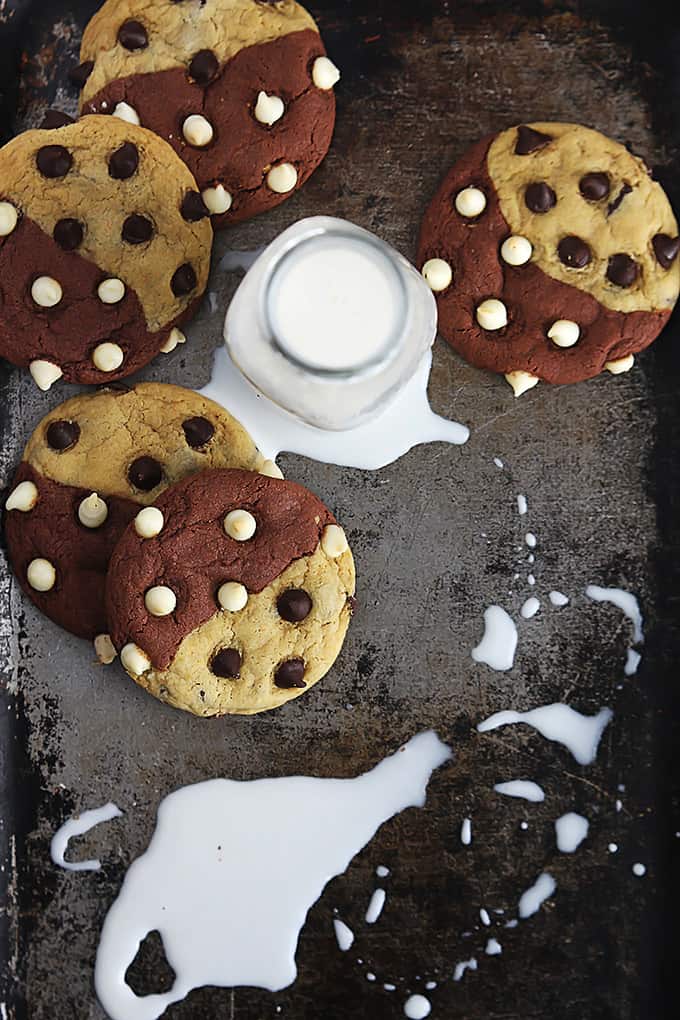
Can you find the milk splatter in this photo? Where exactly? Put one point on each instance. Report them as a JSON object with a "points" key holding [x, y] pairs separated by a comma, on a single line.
{"points": [[522, 788], [464, 965], [623, 600], [570, 831], [499, 642], [580, 734], [493, 948], [532, 899], [78, 826]]}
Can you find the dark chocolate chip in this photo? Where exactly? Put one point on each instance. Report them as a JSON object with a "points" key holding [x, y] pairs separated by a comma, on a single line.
{"points": [[594, 186], [132, 35], [78, 75], [666, 249], [625, 190], [198, 432], [193, 208], [290, 674], [539, 197], [183, 280], [55, 119], [226, 663], [294, 605], [137, 229], [529, 140], [68, 233], [54, 161], [622, 270], [123, 162], [145, 473], [203, 67], [573, 252], [62, 435]]}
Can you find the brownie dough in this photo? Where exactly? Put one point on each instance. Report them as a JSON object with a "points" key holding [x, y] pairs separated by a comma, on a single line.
{"points": [[215, 60], [601, 254], [297, 591], [102, 255], [127, 445]]}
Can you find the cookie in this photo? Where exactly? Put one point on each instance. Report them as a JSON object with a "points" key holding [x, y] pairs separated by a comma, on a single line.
{"points": [[242, 89], [552, 253], [125, 446], [104, 250], [240, 603]]}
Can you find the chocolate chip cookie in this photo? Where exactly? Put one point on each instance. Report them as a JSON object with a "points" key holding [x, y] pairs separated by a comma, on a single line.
{"points": [[552, 253], [241, 599], [104, 250], [88, 469], [242, 89]]}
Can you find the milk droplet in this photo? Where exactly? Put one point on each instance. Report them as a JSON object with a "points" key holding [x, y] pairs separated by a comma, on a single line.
{"points": [[522, 788], [530, 607], [417, 1007], [484, 917], [78, 826], [493, 948], [623, 600], [343, 935], [639, 870], [375, 906], [522, 505], [570, 831], [499, 642], [558, 599], [580, 734], [633, 660], [381, 871], [530, 539], [531, 900], [464, 965], [466, 832], [613, 848], [498, 462]]}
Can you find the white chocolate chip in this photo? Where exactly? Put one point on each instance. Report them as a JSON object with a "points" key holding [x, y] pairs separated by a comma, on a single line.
{"points": [[127, 113], [564, 332], [516, 250], [437, 273], [107, 357], [23, 497], [104, 650], [334, 541], [149, 522], [620, 365], [46, 292], [324, 73], [232, 596], [44, 373], [197, 131], [492, 314], [268, 109], [134, 660], [93, 511], [521, 381], [160, 600], [9, 218], [176, 336], [470, 202], [240, 524], [41, 575], [282, 178], [111, 291], [217, 199], [271, 469]]}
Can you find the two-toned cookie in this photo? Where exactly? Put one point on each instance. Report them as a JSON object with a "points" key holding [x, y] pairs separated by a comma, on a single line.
{"points": [[238, 601], [90, 468], [242, 89], [552, 253], [105, 249]]}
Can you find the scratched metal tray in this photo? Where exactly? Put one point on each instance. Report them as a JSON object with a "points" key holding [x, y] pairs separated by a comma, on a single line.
{"points": [[437, 538]]}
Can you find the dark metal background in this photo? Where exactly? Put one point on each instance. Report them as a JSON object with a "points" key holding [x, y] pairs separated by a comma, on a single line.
{"points": [[599, 464]]}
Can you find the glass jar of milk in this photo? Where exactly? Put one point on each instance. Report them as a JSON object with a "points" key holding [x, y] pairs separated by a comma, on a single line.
{"points": [[330, 322]]}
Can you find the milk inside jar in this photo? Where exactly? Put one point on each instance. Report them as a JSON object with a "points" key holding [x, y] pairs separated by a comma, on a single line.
{"points": [[330, 322]]}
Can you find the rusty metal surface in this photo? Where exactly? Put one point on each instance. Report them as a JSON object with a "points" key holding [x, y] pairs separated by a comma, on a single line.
{"points": [[436, 538]]}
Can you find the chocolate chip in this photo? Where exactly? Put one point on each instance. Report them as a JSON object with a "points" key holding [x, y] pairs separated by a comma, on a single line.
{"points": [[137, 229], [666, 249], [528, 140], [539, 197], [62, 435], [227, 663], [193, 208], [573, 252], [78, 75], [625, 190], [203, 67], [55, 119], [123, 162], [183, 280], [68, 233], [132, 35], [622, 270], [290, 674], [145, 473], [53, 161], [594, 186], [294, 605], [198, 432]]}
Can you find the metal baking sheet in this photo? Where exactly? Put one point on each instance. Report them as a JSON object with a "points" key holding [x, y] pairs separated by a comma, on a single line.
{"points": [[436, 537]]}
